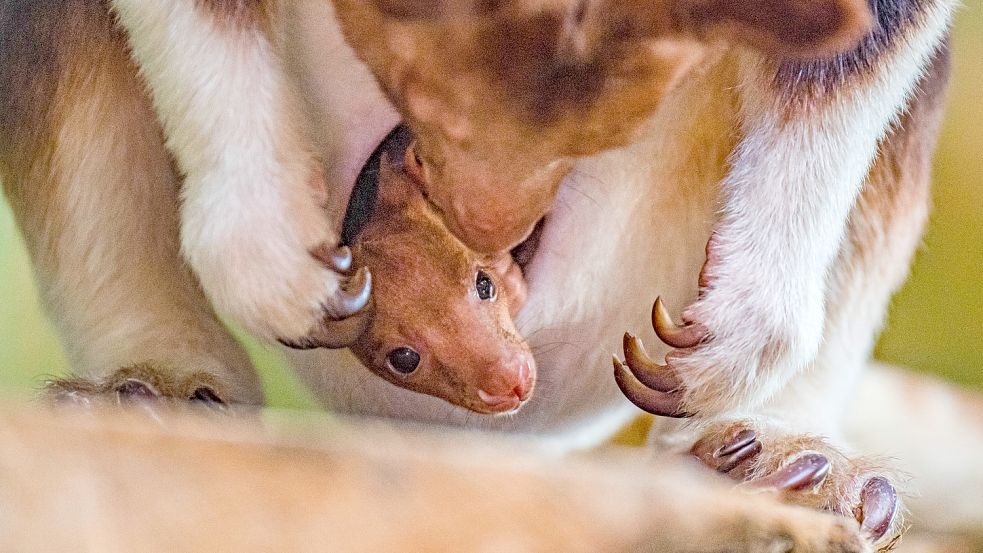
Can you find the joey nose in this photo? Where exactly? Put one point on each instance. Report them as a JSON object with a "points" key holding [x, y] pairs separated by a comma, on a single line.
{"points": [[526, 378], [513, 386]]}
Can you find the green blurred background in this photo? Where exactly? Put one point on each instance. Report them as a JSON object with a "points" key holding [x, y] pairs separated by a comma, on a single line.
{"points": [[935, 326]]}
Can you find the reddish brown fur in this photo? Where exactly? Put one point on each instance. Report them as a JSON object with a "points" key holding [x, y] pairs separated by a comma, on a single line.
{"points": [[503, 101], [425, 298]]}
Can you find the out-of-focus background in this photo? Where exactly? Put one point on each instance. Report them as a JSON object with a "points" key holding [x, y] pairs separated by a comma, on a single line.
{"points": [[935, 326]]}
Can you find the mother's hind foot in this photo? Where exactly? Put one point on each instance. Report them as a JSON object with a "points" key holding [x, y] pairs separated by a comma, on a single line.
{"points": [[807, 470], [142, 385]]}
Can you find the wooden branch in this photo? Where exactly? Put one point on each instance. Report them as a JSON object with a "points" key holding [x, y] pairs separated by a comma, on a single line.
{"points": [[112, 481]]}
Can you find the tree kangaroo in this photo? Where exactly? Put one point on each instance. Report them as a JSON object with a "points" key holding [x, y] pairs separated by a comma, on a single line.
{"points": [[763, 166]]}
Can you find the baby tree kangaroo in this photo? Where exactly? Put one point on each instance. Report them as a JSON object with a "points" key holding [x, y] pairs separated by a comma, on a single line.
{"points": [[512, 93], [441, 320]]}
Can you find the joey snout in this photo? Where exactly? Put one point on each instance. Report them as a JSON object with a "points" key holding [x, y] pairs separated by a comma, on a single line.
{"points": [[509, 385]]}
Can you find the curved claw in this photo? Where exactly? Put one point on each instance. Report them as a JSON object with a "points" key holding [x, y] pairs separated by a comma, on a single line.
{"points": [[347, 321], [804, 473], [663, 404], [680, 337], [136, 390], [207, 397], [878, 507], [341, 259], [338, 259], [738, 449], [353, 297], [142, 396], [741, 440], [655, 376]]}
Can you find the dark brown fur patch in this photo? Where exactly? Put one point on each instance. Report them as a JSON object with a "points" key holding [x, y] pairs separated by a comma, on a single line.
{"points": [[892, 19], [814, 20], [526, 57]]}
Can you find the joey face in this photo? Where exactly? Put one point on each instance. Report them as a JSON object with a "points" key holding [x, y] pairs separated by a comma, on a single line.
{"points": [[503, 96], [442, 323]]}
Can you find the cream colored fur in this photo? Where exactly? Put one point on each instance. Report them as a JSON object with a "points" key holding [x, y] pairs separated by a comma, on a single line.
{"points": [[116, 482], [253, 263], [783, 223]]}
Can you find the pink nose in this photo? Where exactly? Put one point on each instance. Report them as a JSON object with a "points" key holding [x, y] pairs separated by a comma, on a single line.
{"points": [[513, 390]]}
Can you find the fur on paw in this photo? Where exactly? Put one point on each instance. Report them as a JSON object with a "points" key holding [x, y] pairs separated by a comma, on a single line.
{"points": [[142, 385], [704, 375], [770, 529], [342, 318], [738, 344], [275, 267], [808, 471]]}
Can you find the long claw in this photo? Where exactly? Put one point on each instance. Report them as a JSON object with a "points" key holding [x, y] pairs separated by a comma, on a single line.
{"points": [[737, 450], [805, 472], [878, 507], [341, 259], [141, 396], [353, 297], [655, 376], [132, 390], [656, 402], [680, 337], [347, 321], [338, 259]]}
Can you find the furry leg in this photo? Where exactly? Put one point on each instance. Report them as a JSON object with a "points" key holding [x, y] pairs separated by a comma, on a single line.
{"points": [[253, 223], [810, 136], [807, 417], [96, 195]]}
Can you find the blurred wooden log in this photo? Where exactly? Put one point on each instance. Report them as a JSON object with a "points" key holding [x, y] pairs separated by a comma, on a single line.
{"points": [[112, 481]]}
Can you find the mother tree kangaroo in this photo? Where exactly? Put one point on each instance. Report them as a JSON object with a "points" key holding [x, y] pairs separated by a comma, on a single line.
{"points": [[748, 161]]}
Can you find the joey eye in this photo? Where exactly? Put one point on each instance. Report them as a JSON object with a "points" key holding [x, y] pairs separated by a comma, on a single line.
{"points": [[484, 285], [403, 360]]}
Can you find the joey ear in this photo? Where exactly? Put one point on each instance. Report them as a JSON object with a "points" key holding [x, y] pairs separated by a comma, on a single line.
{"points": [[395, 186], [799, 28]]}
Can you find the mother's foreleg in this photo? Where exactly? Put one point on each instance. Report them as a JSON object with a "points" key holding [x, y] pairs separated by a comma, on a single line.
{"points": [[795, 441], [253, 224], [810, 134]]}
